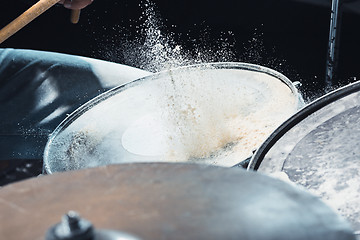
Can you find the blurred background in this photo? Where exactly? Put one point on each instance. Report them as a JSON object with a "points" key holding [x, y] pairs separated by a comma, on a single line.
{"points": [[288, 36]]}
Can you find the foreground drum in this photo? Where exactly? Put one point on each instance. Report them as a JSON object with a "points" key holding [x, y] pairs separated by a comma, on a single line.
{"points": [[319, 148], [170, 201], [210, 113]]}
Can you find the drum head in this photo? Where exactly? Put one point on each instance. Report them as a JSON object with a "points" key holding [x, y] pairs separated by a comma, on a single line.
{"points": [[210, 113], [319, 148], [155, 201]]}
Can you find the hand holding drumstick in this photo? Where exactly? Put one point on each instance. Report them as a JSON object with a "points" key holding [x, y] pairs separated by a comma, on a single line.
{"points": [[75, 5], [37, 9]]}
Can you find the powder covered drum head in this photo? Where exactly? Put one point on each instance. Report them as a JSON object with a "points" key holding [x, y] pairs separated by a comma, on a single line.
{"points": [[210, 113], [319, 148]]}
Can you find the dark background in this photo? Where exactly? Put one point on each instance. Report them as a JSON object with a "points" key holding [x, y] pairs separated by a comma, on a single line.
{"points": [[288, 36]]}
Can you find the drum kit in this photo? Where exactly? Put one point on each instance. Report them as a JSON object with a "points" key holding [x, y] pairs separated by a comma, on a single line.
{"points": [[154, 159], [163, 157]]}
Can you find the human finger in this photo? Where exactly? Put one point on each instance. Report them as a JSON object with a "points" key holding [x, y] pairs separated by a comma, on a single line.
{"points": [[76, 4]]}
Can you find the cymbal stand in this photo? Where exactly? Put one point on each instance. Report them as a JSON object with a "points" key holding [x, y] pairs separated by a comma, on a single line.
{"points": [[333, 44]]}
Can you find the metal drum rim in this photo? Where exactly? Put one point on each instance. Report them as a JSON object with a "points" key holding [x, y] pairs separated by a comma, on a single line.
{"points": [[103, 96], [299, 116]]}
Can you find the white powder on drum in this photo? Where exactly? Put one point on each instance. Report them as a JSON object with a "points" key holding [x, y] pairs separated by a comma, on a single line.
{"points": [[220, 117], [213, 116]]}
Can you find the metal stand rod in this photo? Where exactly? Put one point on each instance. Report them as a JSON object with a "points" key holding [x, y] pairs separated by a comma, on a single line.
{"points": [[334, 35]]}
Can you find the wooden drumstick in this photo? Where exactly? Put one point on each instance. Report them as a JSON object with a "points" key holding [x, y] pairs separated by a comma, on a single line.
{"points": [[75, 16], [33, 12]]}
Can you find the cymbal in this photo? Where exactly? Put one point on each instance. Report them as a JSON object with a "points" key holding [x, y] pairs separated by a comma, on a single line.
{"points": [[169, 201]]}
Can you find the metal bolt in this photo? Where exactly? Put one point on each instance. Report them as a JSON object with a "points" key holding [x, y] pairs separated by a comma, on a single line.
{"points": [[72, 226], [70, 223]]}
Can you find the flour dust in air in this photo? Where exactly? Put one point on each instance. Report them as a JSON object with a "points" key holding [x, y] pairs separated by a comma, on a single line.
{"points": [[216, 117]]}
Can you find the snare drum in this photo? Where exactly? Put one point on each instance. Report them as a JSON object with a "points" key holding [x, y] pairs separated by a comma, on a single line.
{"points": [[209, 113], [318, 148]]}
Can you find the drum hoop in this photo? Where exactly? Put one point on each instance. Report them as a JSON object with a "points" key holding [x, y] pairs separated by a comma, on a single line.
{"points": [[303, 113], [203, 66]]}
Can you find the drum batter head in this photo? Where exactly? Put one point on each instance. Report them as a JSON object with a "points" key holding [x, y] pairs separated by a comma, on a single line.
{"points": [[210, 113], [319, 148], [170, 201]]}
